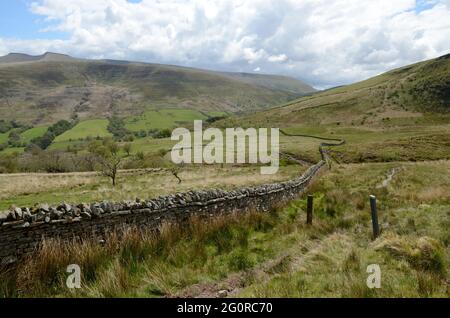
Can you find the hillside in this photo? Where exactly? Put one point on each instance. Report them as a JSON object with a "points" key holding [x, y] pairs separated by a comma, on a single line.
{"points": [[402, 115], [43, 89], [401, 95], [281, 83]]}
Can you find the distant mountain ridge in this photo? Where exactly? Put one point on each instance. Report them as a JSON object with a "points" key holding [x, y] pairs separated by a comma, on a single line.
{"points": [[48, 56], [48, 87]]}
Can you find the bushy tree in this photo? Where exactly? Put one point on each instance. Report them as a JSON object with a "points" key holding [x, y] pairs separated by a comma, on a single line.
{"points": [[53, 131], [127, 148], [116, 127], [108, 158]]}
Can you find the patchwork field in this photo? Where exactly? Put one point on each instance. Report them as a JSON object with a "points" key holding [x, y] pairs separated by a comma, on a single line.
{"points": [[89, 128], [166, 119], [28, 135]]}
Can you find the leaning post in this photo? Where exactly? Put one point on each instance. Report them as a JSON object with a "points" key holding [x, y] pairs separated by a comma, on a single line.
{"points": [[375, 225]]}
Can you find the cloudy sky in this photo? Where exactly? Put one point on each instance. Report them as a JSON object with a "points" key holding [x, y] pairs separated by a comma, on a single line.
{"points": [[324, 42]]}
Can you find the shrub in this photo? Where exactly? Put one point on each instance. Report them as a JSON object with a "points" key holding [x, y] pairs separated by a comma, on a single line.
{"points": [[425, 253], [239, 260]]}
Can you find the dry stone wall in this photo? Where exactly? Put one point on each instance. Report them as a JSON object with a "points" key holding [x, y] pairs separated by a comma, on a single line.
{"points": [[23, 229]]}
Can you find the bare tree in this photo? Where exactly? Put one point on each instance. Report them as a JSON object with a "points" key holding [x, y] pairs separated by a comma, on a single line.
{"points": [[175, 171], [90, 161], [108, 158]]}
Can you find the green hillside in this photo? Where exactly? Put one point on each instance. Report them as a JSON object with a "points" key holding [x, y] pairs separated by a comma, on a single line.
{"points": [[401, 96], [45, 89], [403, 114]]}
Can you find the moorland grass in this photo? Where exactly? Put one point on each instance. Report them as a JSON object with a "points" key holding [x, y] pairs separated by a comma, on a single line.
{"points": [[274, 254], [30, 189]]}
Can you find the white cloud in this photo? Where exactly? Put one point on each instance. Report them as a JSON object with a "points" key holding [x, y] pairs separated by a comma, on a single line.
{"points": [[325, 42], [278, 58]]}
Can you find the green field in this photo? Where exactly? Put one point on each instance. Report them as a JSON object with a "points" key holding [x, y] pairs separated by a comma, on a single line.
{"points": [[32, 133], [29, 189], [89, 128], [4, 137], [163, 119], [9, 151]]}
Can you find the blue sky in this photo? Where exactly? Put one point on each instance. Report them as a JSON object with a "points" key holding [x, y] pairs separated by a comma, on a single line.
{"points": [[17, 21], [325, 42]]}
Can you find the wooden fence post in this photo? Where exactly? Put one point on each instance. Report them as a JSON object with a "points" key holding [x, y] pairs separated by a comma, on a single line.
{"points": [[309, 210], [373, 208]]}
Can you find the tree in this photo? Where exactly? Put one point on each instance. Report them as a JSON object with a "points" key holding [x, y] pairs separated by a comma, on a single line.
{"points": [[108, 158], [52, 161], [52, 132], [165, 133], [116, 127], [175, 171], [127, 148], [14, 139]]}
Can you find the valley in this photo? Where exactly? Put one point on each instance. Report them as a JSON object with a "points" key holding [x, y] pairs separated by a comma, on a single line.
{"points": [[396, 129]]}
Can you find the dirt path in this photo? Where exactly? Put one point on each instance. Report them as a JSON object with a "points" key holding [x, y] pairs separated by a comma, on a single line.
{"points": [[291, 260], [388, 179]]}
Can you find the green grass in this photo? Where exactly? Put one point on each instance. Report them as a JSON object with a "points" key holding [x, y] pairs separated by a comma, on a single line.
{"points": [[402, 143], [63, 145], [276, 254], [32, 133], [150, 145], [29, 189], [163, 119], [4, 137], [89, 128], [9, 151]]}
